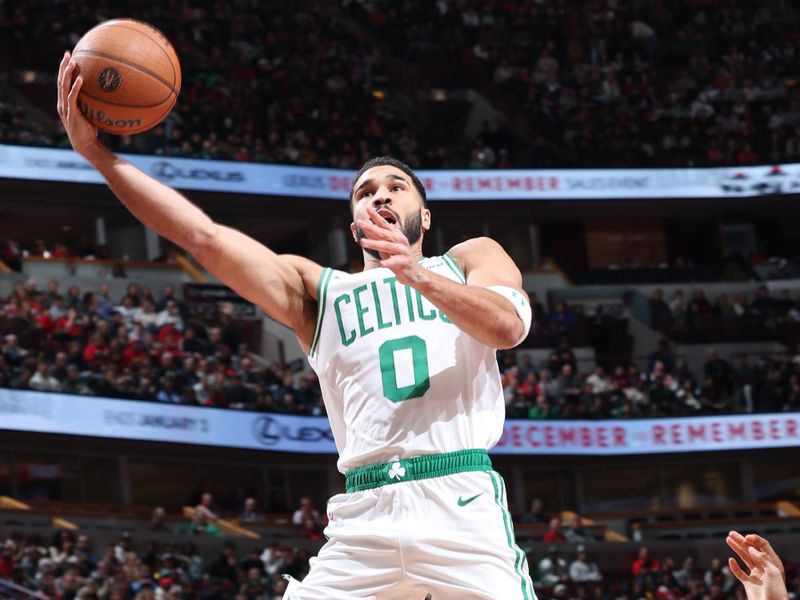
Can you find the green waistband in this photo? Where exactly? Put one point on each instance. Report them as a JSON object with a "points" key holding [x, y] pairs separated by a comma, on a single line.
{"points": [[419, 467]]}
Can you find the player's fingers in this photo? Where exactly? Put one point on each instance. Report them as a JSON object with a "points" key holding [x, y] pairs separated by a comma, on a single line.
{"points": [[738, 545], [72, 98], [736, 536], [760, 543], [737, 571], [61, 68], [382, 246], [376, 231], [66, 85], [378, 219]]}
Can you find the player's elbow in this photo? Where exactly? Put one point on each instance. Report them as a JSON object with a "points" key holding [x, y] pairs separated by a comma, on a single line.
{"points": [[510, 333]]}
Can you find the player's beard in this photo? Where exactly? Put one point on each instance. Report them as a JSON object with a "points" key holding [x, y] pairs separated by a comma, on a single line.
{"points": [[412, 229]]}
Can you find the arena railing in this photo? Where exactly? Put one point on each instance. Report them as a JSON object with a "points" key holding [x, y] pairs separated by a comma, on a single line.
{"points": [[12, 591]]}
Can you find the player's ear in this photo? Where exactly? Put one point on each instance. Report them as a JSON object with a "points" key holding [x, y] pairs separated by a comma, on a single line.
{"points": [[426, 219], [353, 231]]}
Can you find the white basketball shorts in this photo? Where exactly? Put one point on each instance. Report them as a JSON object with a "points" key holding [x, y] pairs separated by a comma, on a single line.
{"points": [[435, 524]]}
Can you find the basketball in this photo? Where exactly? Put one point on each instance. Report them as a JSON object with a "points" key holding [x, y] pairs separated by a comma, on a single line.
{"points": [[131, 76]]}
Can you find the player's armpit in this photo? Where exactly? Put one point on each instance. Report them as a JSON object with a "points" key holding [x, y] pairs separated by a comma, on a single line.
{"points": [[284, 286]]}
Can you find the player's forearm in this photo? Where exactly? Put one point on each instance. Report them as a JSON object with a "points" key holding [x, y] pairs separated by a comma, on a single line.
{"points": [[156, 205], [477, 311]]}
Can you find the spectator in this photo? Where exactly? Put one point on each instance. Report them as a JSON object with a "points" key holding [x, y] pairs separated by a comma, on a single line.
{"points": [[553, 533], [685, 573], [204, 517], [552, 568], [43, 381], [599, 381], [306, 511], [249, 513], [719, 575], [573, 532], [157, 523], [536, 513], [660, 313], [644, 562], [583, 571]]}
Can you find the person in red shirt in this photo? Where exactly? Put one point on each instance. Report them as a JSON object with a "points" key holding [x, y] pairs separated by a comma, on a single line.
{"points": [[7, 559], [644, 561], [553, 533]]}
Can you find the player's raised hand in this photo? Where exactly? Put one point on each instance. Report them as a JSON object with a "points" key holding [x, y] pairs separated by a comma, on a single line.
{"points": [[82, 134], [765, 580], [392, 245]]}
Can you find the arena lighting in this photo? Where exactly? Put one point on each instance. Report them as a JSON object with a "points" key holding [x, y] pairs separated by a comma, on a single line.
{"points": [[378, 94], [28, 76], [438, 95]]}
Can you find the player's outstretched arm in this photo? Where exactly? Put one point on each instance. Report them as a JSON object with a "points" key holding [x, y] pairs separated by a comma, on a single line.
{"points": [[283, 286], [766, 577], [485, 315]]}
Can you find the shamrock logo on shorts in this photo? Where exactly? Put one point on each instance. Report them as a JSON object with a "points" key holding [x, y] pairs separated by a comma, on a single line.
{"points": [[397, 471]]}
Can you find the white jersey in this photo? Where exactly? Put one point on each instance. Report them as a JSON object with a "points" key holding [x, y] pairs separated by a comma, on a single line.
{"points": [[397, 377]]}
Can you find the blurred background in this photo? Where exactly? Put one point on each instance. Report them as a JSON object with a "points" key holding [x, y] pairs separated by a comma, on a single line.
{"points": [[639, 160]]}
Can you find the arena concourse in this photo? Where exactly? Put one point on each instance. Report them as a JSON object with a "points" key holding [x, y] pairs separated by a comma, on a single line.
{"points": [[653, 407]]}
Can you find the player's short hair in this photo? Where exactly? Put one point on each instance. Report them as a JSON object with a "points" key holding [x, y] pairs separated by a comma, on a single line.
{"points": [[380, 161]]}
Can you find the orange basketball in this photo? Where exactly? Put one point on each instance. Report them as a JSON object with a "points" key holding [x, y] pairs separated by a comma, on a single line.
{"points": [[131, 76]]}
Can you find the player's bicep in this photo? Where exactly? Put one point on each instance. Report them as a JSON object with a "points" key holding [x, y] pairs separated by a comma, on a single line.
{"points": [[485, 263], [258, 274]]}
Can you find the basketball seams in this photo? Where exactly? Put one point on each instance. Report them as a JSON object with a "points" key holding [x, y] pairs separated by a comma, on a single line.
{"points": [[172, 60], [132, 65], [127, 104]]}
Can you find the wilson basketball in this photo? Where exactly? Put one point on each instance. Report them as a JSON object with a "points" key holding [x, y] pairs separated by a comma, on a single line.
{"points": [[131, 76]]}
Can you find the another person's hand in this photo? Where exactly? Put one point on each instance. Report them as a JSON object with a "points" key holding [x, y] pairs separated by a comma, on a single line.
{"points": [[766, 578], [82, 134]]}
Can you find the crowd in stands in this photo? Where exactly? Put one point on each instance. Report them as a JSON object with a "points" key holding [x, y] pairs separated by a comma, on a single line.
{"points": [[14, 252], [664, 388], [139, 347], [70, 567], [145, 348], [696, 316], [680, 83], [263, 82]]}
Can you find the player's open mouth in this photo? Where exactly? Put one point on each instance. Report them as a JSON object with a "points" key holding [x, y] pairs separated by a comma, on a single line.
{"points": [[389, 216]]}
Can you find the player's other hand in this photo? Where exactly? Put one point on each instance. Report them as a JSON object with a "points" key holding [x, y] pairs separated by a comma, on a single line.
{"points": [[766, 577], [82, 134], [393, 247]]}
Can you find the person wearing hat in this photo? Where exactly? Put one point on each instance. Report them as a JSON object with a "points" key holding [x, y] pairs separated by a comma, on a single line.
{"points": [[583, 571]]}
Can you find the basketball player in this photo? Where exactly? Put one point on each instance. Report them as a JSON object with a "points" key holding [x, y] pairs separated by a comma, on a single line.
{"points": [[405, 353]]}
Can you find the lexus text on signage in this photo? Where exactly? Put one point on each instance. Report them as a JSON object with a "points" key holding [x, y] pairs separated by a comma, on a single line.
{"points": [[169, 171], [270, 431]]}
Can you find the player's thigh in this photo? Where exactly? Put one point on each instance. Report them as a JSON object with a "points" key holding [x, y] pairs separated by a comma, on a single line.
{"points": [[342, 572], [360, 559], [467, 548]]}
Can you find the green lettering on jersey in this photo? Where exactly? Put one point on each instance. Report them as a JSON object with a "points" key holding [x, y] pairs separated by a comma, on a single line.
{"points": [[393, 288], [409, 304], [444, 318], [421, 310], [378, 311], [361, 311], [347, 339]]}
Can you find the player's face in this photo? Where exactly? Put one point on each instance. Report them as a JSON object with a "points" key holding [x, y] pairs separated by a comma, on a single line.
{"points": [[392, 193]]}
